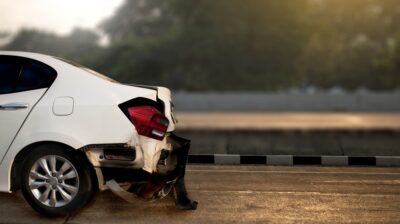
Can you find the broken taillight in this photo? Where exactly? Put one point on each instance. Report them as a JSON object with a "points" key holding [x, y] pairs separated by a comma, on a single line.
{"points": [[149, 121]]}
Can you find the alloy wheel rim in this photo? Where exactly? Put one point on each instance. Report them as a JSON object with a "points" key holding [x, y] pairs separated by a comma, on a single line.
{"points": [[53, 181]]}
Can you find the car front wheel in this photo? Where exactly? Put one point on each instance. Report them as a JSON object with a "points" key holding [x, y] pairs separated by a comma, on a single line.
{"points": [[55, 181]]}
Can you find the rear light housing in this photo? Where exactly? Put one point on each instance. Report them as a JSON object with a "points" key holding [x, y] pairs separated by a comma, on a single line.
{"points": [[149, 121]]}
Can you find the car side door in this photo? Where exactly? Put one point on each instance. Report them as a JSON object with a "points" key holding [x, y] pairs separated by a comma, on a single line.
{"points": [[23, 82]]}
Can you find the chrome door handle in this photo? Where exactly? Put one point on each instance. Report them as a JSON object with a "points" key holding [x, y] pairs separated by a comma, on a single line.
{"points": [[14, 106]]}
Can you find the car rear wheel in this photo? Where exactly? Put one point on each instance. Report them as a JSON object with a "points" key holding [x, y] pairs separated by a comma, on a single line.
{"points": [[55, 181]]}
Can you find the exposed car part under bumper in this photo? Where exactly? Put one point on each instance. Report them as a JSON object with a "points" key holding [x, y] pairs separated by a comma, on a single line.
{"points": [[123, 163], [159, 192], [114, 155]]}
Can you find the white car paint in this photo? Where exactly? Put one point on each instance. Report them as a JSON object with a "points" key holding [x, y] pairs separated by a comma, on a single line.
{"points": [[63, 106], [78, 109], [12, 120]]}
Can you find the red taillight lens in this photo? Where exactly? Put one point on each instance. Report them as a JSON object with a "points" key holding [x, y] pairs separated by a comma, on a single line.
{"points": [[149, 121]]}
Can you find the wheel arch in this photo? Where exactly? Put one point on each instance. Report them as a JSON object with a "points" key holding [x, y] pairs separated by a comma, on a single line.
{"points": [[21, 155]]}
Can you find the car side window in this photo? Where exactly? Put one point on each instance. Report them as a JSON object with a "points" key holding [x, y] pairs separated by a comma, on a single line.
{"points": [[35, 76], [9, 71], [19, 74]]}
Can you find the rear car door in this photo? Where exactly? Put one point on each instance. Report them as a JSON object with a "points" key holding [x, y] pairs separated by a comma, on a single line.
{"points": [[23, 82]]}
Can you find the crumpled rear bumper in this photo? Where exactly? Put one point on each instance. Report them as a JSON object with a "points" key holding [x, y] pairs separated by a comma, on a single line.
{"points": [[124, 163]]}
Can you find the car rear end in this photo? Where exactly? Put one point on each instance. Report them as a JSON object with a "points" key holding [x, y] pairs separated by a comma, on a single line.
{"points": [[153, 149]]}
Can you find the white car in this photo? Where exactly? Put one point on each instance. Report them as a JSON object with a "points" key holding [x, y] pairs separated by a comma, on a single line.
{"points": [[66, 131]]}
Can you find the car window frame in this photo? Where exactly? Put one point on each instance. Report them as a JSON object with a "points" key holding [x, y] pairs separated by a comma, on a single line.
{"points": [[24, 61]]}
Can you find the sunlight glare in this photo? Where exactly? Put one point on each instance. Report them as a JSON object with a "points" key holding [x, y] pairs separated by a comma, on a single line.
{"points": [[59, 16]]}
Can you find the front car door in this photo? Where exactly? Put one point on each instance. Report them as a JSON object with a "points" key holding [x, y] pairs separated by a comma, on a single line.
{"points": [[22, 83]]}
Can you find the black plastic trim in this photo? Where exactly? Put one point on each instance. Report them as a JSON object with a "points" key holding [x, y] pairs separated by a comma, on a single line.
{"points": [[253, 159], [201, 159], [124, 174], [105, 146], [306, 160], [119, 154], [362, 161]]}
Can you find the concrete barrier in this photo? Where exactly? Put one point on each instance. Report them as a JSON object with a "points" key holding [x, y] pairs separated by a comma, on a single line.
{"points": [[319, 101], [295, 142], [388, 161]]}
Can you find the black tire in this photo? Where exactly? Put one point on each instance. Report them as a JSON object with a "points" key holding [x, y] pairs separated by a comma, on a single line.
{"points": [[82, 182]]}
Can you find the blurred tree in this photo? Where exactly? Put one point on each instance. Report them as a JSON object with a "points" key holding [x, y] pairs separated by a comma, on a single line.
{"points": [[4, 34], [211, 44], [387, 68], [80, 45], [347, 40], [139, 18], [33, 40], [254, 45]]}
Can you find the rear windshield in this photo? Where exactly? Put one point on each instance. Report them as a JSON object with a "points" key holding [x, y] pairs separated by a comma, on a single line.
{"points": [[87, 69]]}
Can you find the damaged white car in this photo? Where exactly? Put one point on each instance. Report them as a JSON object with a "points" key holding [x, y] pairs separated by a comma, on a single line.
{"points": [[67, 131]]}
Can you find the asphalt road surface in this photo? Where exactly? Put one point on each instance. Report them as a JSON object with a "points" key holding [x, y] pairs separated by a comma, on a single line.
{"points": [[248, 194]]}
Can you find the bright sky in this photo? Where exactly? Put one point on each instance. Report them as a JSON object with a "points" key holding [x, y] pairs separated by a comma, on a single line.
{"points": [[59, 16]]}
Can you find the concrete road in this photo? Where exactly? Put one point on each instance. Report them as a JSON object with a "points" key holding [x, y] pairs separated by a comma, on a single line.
{"points": [[287, 121], [249, 194]]}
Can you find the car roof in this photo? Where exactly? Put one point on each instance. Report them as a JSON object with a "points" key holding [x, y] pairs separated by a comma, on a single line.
{"points": [[32, 55], [59, 64], [54, 62]]}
